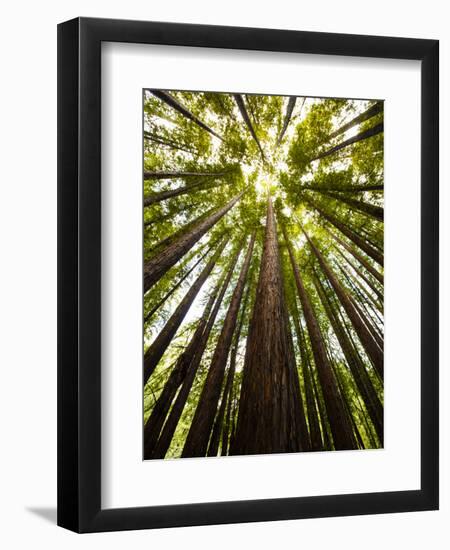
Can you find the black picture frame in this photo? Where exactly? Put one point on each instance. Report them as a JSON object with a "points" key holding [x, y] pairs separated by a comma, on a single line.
{"points": [[79, 274]]}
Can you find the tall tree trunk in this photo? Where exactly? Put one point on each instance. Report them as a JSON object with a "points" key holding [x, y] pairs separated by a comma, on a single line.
{"points": [[366, 338], [164, 195], [166, 142], [374, 272], [174, 288], [364, 277], [240, 103], [350, 234], [171, 214], [265, 420], [167, 174], [197, 439], [299, 427], [156, 419], [170, 426], [287, 118], [358, 370], [313, 419], [363, 298], [233, 357], [172, 102], [377, 129], [337, 416], [359, 302], [343, 188], [213, 446], [376, 212], [157, 266], [369, 113], [161, 342], [325, 425]]}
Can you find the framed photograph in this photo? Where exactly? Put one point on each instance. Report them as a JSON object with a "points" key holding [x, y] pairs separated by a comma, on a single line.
{"points": [[247, 276]]}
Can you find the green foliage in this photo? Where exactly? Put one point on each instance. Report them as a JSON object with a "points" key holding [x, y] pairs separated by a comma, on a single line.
{"points": [[299, 187]]}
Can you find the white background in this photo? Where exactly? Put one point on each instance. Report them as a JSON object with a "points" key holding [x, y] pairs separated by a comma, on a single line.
{"points": [[129, 481], [28, 289]]}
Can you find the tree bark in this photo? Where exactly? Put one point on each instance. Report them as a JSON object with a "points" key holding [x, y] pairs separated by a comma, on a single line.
{"points": [[366, 338], [287, 118], [172, 102], [161, 342], [339, 422], [350, 234], [199, 433], [369, 113], [240, 103], [157, 266], [170, 426], [265, 421], [377, 129]]}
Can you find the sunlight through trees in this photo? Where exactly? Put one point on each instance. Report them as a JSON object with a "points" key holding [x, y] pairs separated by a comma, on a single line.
{"points": [[263, 274]]}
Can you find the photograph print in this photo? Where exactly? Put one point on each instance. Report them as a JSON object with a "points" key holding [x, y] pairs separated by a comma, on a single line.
{"points": [[262, 274]]}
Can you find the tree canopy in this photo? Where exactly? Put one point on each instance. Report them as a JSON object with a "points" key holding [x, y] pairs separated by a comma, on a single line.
{"points": [[263, 274]]}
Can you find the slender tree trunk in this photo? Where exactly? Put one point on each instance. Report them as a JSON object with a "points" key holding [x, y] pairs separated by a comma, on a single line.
{"points": [[213, 446], [265, 421], [326, 430], [313, 419], [377, 129], [375, 273], [343, 188], [368, 322], [166, 142], [287, 118], [359, 301], [161, 342], [358, 370], [364, 299], [166, 174], [369, 113], [156, 419], [197, 439], [157, 266], [339, 422], [350, 234], [376, 212], [299, 427], [171, 214], [367, 340], [366, 279], [170, 426], [240, 103], [172, 102], [164, 195], [233, 357], [174, 288]]}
